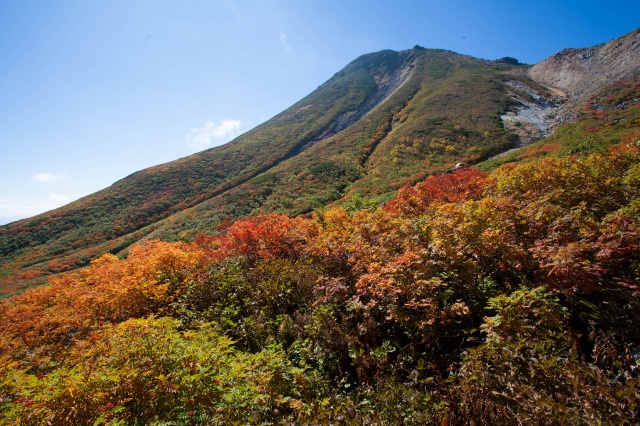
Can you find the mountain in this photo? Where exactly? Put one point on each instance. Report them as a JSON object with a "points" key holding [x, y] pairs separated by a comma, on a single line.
{"points": [[580, 73], [504, 293], [386, 120]]}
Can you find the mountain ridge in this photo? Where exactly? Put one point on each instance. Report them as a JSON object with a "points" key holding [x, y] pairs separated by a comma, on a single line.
{"points": [[387, 119], [581, 72]]}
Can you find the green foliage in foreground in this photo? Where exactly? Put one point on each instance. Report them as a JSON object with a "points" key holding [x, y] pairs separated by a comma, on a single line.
{"points": [[145, 371]]}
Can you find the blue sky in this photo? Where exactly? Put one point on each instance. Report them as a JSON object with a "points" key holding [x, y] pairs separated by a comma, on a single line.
{"points": [[92, 91]]}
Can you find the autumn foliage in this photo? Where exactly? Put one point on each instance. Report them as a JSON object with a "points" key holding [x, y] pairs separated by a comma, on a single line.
{"points": [[460, 185], [508, 297], [261, 237]]}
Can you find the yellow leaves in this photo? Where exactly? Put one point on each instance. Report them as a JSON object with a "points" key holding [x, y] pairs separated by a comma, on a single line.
{"points": [[109, 290], [104, 259], [336, 217], [416, 269]]}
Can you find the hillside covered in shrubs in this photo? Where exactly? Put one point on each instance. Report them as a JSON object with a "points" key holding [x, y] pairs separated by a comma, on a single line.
{"points": [[475, 297], [386, 120]]}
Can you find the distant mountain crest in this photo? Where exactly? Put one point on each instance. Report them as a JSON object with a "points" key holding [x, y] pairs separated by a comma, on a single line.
{"points": [[386, 120], [582, 72]]}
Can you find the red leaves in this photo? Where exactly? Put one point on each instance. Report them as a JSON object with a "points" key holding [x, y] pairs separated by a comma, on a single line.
{"points": [[260, 237], [414, 278], [24, 401], [460, 185]]}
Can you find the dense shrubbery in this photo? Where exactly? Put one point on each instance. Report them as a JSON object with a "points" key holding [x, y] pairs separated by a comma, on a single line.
{"points": [[324, 148], [508, 297]]}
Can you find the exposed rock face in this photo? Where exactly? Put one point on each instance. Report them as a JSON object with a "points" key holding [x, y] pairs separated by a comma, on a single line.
{"points": [[582, 72], [571, 75], [387, 82], [536, 117]]}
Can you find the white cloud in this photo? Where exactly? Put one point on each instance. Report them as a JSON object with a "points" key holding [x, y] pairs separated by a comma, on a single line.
{"points": [[24, 210], [285, 41], [49, 177], [57, 197], [212, 134], [14, 209]]}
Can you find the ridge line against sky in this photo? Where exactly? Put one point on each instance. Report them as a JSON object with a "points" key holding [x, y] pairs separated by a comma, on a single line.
{"points": [[94, 91]]}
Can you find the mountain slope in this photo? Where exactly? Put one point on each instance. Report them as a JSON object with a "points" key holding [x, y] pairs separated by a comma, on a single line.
{"points": [[386, 120], [113, 218], [508, 297], [583, 72], [427, 126]]}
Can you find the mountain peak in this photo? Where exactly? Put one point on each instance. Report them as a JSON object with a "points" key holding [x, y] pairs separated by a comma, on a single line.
{"points": [[386, 120], [580, 72]]}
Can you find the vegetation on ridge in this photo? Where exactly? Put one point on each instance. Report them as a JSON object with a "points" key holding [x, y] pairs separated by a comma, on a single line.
{"points": [[446, 112], [333, 267], [507, 297]]}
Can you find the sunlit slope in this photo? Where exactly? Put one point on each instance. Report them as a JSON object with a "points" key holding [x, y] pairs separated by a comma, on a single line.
{"points": [[115, 217], [446, 112], [386, 120], [111, 219]]}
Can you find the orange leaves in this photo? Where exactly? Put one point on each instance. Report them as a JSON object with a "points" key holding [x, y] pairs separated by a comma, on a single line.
{"points": [[363, 295], [146, 281], [462, 184], [109, 290], [260, 237], [577, 216]]}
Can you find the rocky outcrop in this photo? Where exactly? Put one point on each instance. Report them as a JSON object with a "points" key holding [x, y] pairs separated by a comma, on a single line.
{"points": [[582, 72], [571, 75], [536, 117]]}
